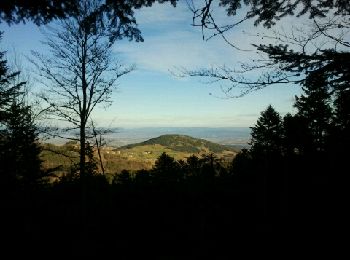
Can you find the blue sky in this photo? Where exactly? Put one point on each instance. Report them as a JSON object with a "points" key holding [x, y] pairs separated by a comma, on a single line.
{"points": [[152, 95]]}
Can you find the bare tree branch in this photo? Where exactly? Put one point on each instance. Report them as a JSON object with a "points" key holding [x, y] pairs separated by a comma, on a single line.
{"points": [[81, 71]]}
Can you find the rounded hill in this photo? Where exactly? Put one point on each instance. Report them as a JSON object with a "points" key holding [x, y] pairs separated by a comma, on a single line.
{"points": [[182, 143]]}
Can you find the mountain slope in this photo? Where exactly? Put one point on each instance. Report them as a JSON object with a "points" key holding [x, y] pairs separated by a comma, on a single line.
{"points": [[182, 143]]}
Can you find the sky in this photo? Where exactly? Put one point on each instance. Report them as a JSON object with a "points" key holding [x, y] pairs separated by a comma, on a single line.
{"points": [[152, 96]]}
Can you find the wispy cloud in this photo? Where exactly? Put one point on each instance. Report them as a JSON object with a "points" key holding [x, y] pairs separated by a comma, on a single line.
{"points": [[171, 41], [175, 49]]}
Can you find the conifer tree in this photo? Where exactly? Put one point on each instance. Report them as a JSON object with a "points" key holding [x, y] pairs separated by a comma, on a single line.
{"points": [[19, 148], [315, 110], [267, 133]]}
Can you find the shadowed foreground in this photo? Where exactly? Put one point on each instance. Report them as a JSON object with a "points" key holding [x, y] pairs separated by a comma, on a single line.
{"points": [[190, 217]]}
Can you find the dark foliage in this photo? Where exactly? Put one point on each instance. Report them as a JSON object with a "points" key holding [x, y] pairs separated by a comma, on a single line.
{"points": [[329, 65], [119, 13], [315, 106], [319, 51], [269, 12], [19, 148], [40, 12], [267, 133]]}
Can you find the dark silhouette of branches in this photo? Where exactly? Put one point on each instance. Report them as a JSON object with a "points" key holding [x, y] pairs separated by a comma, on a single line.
{"points": [[234, 84], [292, 58], [80, 73], [19, 149], [266, 12], [115, 16]]}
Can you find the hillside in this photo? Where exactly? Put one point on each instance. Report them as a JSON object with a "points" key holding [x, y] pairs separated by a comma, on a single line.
{"points": [[182, 143], [135, 156]]}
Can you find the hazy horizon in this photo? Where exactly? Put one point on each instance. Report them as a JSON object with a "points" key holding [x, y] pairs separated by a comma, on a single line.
{"points": [[120, 136]]}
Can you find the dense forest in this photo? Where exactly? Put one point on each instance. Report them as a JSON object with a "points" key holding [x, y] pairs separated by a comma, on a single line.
{"points": [[285, 187]]}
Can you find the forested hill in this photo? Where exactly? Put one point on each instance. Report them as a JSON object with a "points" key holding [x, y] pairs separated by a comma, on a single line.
{"points": [[182, 143]]}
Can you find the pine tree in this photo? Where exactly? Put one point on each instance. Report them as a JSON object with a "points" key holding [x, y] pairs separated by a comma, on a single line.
{"points": [[20, 145], [315, 109], [19, 148], [167, 170], [267, 133]]}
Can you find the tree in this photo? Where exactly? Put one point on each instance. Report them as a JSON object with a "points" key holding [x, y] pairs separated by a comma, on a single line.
{"points": [[123, 178], [19, 145], [193, 166], [81, 73], [8, 91], [314, 107], [167, 170], [19, 148], [241, 163], [296, 136], [267, 133]]}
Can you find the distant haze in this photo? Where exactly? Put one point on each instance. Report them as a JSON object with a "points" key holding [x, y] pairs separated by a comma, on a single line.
{"points": [[238, 136]]}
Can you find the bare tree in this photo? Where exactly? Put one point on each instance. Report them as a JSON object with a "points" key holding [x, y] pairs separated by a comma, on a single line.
{"points": [[80, 72]]}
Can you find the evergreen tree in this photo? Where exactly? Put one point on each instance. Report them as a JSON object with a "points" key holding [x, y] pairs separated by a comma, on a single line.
{"points": [[314, 109], [122, 178], [342, 110], [193, 166], [8, 91], [267, 133], [340, 134], [167, 170], [296, 136], [19, 149]]}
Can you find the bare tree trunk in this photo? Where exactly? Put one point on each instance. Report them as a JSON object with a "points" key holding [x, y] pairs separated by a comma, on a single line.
{"points": [[83, 110], [98, 145], [82, 150]]}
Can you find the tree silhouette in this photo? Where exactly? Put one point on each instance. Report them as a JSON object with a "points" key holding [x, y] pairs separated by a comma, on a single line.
{"points": [[19, 148], [167, 170], [80, 73], [143, 178], [267, 134], [120, 13], [268, 13], [322, 48], [8, 91], [20, 145], [314, 107], [242, 163], [193, 166], [297, 138], [122, 178]]}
